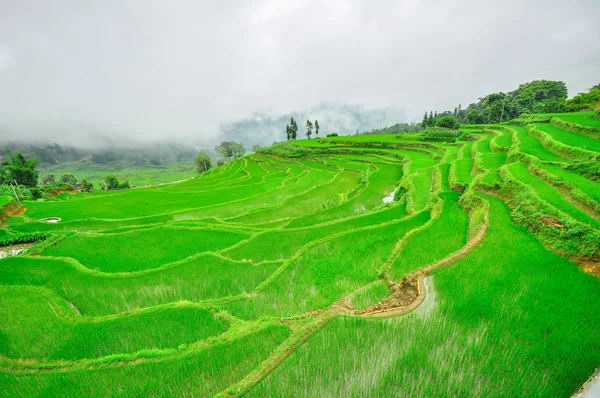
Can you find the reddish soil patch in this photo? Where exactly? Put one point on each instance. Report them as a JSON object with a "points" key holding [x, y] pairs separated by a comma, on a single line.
{"points": [[551, 221], [10, 210], [591, 267], [402, 294]]}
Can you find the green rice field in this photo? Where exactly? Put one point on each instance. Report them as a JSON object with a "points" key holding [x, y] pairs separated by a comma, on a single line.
{"points": [[358, 266]]}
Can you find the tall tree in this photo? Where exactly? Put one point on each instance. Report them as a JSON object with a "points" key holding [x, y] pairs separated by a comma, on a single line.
{"points": [[288, 132], [317, 128], [110, 183], [294, 129], [309, 127], [455, 112], [461, 114], [237, 149], [425, 121], [203, 163], [86, 186], [230, 149], [48, 179], [68, 179], [431, 119]]}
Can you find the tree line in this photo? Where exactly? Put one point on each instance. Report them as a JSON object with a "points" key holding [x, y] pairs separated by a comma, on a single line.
{"points": [[226, 150], [538, 96], [17, 171], [291, 130]]}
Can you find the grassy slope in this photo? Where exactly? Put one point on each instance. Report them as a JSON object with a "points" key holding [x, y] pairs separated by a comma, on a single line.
{"points": [[507, 312], [36, 331], [589, 187], [142, 249], [569, 137], [327, 272], [136, 175], [534, 147], [583, 118], [501, 324], [551, 194], [203, 373], [205, 277], [445, 235]]}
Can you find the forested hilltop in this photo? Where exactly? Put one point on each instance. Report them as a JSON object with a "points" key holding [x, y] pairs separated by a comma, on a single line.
{"points": [[539, 96]]}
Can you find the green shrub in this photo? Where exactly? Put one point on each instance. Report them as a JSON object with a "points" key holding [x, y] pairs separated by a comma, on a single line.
{"points": [[590, 167], [443, 134], [23, 238], [286, 150], [448, 122]]}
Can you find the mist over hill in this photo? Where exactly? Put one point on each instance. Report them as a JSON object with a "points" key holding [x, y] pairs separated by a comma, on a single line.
{"points": [[262, 128], [265, 128]]}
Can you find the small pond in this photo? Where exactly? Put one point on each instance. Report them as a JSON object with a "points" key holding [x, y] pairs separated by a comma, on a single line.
{"points": [[51, 219], [13, 250]]}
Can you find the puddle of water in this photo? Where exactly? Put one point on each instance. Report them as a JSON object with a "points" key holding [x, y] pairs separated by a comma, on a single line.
{"points": [[51, 219], [591, 388], [390, 197], [13, 250]]}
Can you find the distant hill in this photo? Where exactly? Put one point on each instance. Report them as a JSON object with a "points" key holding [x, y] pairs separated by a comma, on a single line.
{"points": [[264, 128]]}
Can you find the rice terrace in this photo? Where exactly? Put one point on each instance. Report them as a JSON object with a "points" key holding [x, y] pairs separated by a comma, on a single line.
{"points": [[286, 273]]}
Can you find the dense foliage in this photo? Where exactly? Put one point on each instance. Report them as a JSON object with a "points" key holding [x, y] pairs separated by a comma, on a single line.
{"points": [[397, 129], [18, 169], [203, 162], [585, 101], [230, 150], [538, 96]]}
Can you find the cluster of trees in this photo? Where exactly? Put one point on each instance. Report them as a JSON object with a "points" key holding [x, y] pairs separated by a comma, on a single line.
{"points": [[67, 180], [291, 130], [585, 101], [539, 96], [228, 150], [16, 168], [445, 120], [203, 162], [396, 129], [111, 183]]}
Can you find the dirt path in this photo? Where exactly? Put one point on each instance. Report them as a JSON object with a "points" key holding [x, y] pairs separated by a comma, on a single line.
{"points": [[405, 297]]}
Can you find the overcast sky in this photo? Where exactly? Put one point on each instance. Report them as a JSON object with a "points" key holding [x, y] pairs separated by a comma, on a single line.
{"points": [[151, 68]]}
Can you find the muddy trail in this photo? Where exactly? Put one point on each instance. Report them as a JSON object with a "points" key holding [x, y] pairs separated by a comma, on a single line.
{"points": [[409, 293], [405, 297]]}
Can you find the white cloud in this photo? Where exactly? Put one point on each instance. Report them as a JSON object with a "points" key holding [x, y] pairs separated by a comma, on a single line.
{"points": [[152, 68], [7, 59]]}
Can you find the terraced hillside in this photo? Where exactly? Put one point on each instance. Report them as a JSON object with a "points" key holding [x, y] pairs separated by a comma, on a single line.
{"points": [[379, 265]]}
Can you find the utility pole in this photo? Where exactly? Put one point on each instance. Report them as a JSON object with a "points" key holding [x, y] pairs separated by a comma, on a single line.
{"points": [[18, 187], [15, 192]]}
